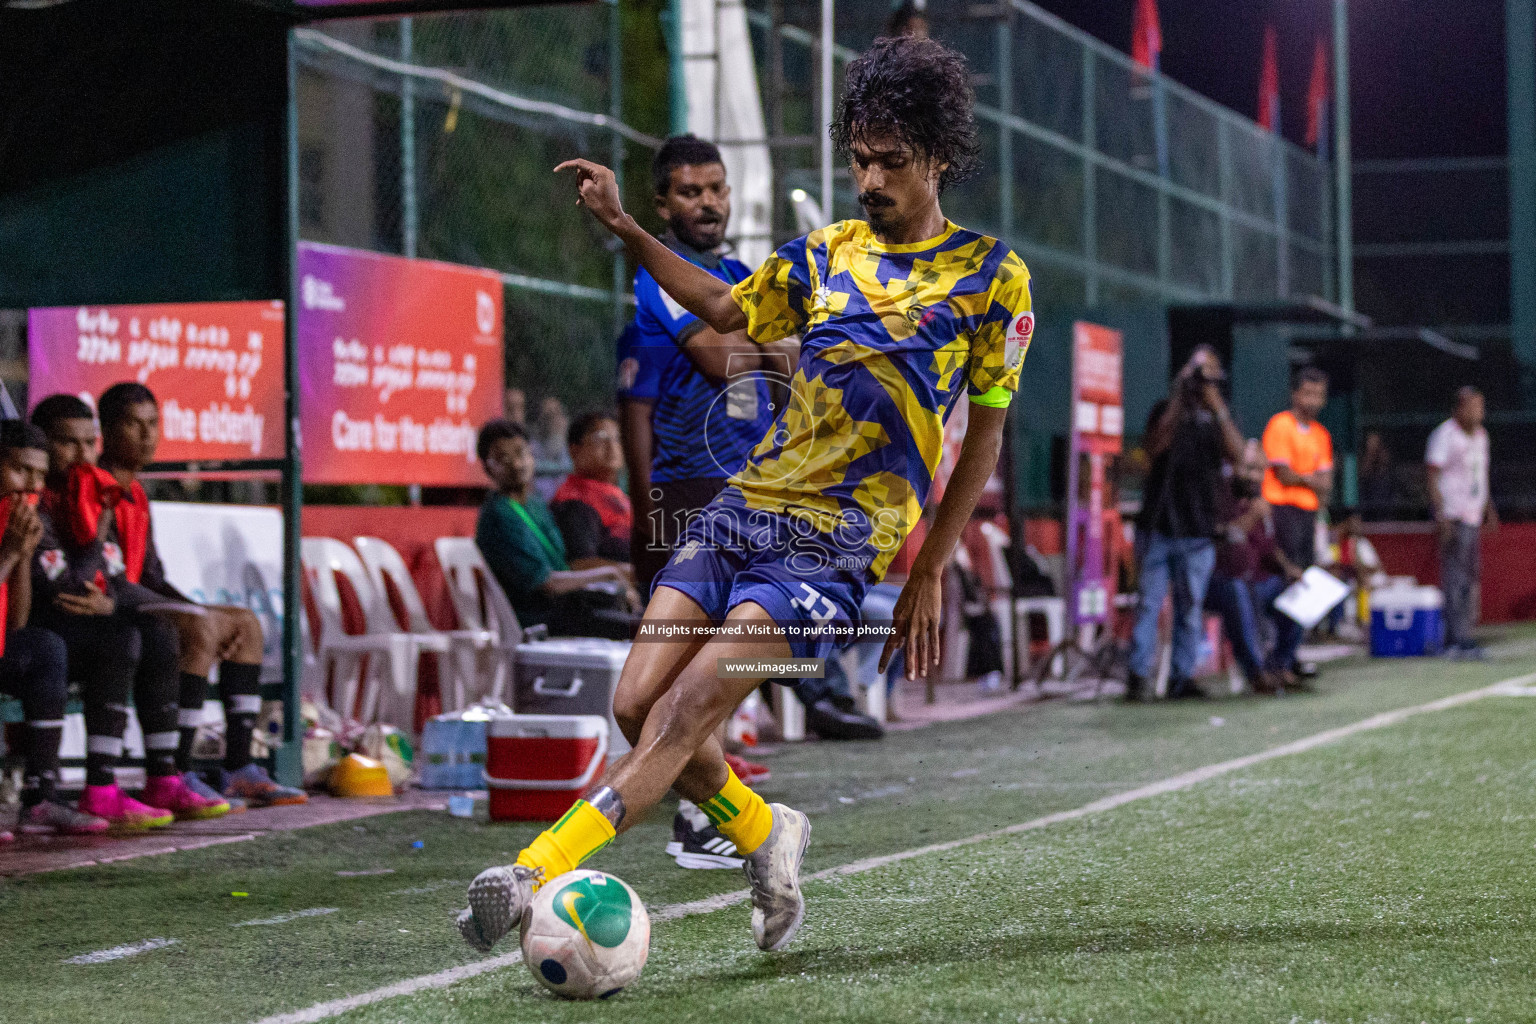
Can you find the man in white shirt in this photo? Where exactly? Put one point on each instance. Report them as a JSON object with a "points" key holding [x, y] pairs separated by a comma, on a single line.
{"points": [[1457, 461]]}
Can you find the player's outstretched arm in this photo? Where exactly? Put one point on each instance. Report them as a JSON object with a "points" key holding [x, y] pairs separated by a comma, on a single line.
{"points": [[698, 291], [919, 608]]}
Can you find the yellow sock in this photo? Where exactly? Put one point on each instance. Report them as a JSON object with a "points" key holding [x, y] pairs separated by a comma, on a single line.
{"points": [[564, 845], [740, 814]]}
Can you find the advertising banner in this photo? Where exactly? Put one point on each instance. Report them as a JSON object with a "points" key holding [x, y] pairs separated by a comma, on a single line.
{"points": [[1098, 426], [216, 367], [400, 362], [1098, 417]]}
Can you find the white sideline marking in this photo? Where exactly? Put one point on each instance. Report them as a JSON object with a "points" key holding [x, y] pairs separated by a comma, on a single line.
{"points": [[417, 890], [365, 873], [195, 844], [102, 956], [285, 918], [453, 975]]}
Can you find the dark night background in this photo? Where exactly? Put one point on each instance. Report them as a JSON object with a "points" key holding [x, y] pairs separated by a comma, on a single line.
{"points": [[1427, 75]]}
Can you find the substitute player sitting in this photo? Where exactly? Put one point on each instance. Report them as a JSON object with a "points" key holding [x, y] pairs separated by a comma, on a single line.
{"points": [[899, 316]]}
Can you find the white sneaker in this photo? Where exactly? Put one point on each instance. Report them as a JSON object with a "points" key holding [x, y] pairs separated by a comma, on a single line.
{"points": [[498, 899], [773, 871]]}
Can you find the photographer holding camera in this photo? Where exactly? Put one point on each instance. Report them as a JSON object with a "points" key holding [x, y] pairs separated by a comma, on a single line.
{"points": [[1189, 436]]}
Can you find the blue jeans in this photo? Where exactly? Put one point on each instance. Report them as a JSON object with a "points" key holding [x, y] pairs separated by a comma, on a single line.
{"points": [[1239, 603], [1186, 564], [1288, 632]]}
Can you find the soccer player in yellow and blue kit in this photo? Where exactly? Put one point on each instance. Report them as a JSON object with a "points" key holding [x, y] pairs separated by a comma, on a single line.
{"points": [[899, 315]]}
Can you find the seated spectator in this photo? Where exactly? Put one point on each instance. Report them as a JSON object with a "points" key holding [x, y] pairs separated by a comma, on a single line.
{"points": [[592, 511], [522, 545], [114, 650], [107, 507], [1351, 555], [1250, 573], [1353, 559], [33, 661]]}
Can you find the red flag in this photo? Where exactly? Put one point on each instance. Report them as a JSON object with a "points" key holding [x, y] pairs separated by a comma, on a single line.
{"points": [[1146, 35], [1269, 84], [1317, 93]]}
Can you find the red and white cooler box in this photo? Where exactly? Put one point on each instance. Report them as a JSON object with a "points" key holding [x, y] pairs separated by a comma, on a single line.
{"points": [[536, 766]]}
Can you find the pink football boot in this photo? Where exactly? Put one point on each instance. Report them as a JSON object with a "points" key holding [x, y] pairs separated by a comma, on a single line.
{"points": [[123, 812], [173, 793]]}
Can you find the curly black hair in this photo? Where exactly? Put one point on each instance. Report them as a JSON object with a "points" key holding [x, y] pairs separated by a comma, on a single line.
{"points": [[918, 90]]}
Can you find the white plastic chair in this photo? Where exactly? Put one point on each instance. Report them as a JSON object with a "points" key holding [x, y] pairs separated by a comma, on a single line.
{"points": [[1052, 609], [466, 646], [341, 654], [478, 599]]}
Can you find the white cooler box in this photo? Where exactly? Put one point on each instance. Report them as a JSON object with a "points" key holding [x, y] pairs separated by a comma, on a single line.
{"points": [[570, 676], [1406, 622]]}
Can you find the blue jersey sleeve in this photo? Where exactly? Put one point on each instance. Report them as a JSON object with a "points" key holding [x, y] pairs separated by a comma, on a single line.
{"points": [[638, 371], [656, 312]]}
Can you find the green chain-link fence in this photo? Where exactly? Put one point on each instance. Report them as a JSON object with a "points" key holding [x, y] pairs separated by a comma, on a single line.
{"points": [[435, 137]]}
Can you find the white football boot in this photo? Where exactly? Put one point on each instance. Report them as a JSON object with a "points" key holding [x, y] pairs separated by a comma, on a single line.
{"points": [[773, 870], [498, 899]]}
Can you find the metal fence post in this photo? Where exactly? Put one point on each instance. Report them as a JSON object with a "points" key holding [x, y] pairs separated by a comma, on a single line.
{"points": [[1224, 174], [288, 763], [1090, 183], [616, 111], [824, 107], [1164, 201], [1520, 55], [407, 145], [1282, 223], [1343, 223], [408, 215], [677, 80], [1005, 132]]}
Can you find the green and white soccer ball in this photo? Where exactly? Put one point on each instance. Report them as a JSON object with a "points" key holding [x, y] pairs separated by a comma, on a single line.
{"points": [[586, 936]]}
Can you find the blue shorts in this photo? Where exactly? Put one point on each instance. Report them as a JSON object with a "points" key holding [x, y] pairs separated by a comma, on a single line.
{"points": [[729, 555]]}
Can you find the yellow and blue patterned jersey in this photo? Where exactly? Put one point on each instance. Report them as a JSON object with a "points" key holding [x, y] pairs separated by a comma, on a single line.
{"points": [[891, 336]]}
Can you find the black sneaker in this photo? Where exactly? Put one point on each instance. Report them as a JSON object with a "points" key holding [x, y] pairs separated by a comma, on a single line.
{"points": [[839, 718], [1185, 689], [1136, 689], [701, 849]]}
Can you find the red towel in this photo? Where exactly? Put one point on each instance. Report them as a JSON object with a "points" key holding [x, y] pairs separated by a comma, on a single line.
{"points": [[92, 489]]}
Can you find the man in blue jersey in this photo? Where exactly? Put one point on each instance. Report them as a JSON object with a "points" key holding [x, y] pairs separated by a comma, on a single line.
{"points": [[695, 402]]}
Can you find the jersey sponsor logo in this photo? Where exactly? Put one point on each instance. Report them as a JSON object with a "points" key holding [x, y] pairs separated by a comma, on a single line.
{"points": [[114, 558], [629, 369], [1020, 330], [53, 562], [674, 308], [821, 300]]}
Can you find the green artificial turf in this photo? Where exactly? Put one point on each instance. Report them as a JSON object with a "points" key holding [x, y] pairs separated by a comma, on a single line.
{"points": [[1383, 879]]}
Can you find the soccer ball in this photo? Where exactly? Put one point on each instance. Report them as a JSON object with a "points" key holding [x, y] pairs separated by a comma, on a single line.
{"points": [[586, 936]]}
